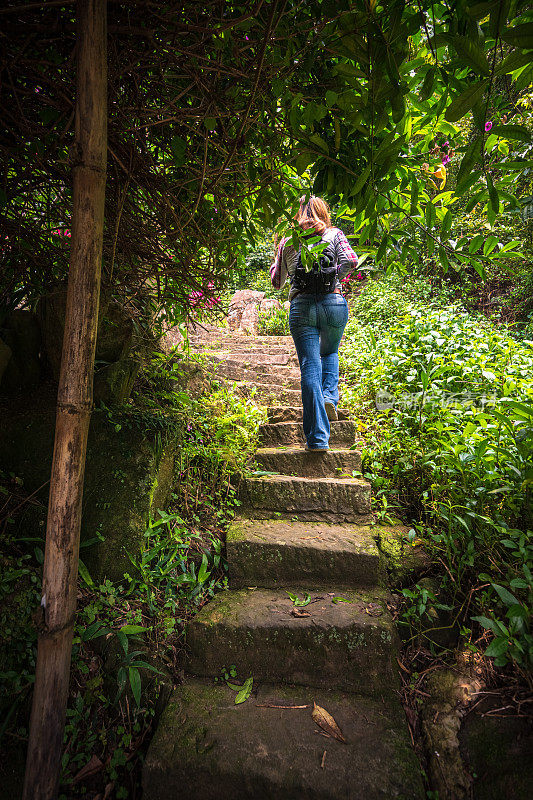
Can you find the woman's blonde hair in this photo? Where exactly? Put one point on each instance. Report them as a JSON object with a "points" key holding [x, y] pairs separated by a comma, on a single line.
{"points": [[313, 213]]}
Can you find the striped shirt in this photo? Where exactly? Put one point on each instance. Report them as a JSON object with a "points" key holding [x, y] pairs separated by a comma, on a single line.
{"points": [[284, 265]]}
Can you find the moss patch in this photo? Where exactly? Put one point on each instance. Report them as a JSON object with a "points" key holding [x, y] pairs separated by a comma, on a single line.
{"points": [[403, 562]]}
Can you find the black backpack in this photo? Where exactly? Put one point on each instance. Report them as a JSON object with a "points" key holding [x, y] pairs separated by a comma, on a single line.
{"points": [[321, 278]]}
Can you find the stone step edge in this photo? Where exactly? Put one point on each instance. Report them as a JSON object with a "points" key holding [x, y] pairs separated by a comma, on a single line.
{"points": [[305, 554], [349, 645]]}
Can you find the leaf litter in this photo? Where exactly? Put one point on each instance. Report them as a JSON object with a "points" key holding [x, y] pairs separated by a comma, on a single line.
{"points": [[320, 717], [298, 612], [325, 721]]}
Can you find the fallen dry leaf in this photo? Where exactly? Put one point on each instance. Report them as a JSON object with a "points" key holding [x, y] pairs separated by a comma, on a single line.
{"points": [[91, 768], [298, 612], [323, 762], [325, 721], [374, 610]]}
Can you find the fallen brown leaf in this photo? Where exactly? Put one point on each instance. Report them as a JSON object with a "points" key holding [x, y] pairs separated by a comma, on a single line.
{"points": [[323, 762], [298, 612], [374, 610], [325, 721], [91, 768]]}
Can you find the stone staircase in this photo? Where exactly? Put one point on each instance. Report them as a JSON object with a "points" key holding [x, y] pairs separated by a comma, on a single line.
{"points": [[303, 530]]}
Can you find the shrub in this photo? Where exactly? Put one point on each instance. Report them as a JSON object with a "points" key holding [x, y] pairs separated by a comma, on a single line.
{"points": [[454, 444], [274, 322]]}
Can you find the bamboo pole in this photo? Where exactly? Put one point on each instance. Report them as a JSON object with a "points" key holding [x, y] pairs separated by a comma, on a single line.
{"points": [[74, 405]]}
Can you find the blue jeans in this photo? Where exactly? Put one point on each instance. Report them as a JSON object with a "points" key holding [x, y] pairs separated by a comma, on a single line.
{"points": [[317, 323]]}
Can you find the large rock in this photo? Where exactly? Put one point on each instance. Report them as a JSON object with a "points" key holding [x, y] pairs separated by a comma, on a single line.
{"points": [[115, 329], [497, 752], [269, 304], [243, 312], [127, 477], [5, 355], [448, 697], [113, 382]]}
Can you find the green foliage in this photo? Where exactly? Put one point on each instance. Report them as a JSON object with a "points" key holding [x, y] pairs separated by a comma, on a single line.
{"points": [[274, 322], [129, 634], [257, 265], [453, 443], [399, 77]]}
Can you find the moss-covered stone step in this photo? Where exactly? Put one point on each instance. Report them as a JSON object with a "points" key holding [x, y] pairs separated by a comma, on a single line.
{"points": [[344, 499], [278, 553], [268, 392], [279, 358], [207, 748], [265, 374], [289, 433], [243, 343], [294, 413], [309, 463], [285, 413], [350, 646]]}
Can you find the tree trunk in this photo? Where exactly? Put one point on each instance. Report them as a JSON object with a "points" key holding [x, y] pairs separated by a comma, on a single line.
{"points": [[74, 403]]}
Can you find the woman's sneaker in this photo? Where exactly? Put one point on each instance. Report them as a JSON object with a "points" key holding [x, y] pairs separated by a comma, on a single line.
{"points": [[331, 411]]}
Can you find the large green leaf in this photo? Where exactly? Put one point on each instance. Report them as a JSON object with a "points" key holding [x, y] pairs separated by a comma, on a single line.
{"points": [[518, 132], [469, 159], [461, 104], [427, 86], [480, 10], [520, 35], [493, 195], [471, 54], [513, 61], [245, 691]]}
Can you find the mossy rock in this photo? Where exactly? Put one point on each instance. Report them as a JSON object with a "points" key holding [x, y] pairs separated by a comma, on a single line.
{"points": [[127, 477], [404, 563], [115, 338], [5, 355], [113, 382], [497, 751]]}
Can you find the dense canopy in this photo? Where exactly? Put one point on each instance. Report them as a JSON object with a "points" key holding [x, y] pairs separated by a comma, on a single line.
{"points": [[220, 112]]}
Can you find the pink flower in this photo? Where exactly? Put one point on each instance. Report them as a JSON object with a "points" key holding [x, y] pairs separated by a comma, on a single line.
{"points": [[359, 276], [445, 159], [488, 126]]}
